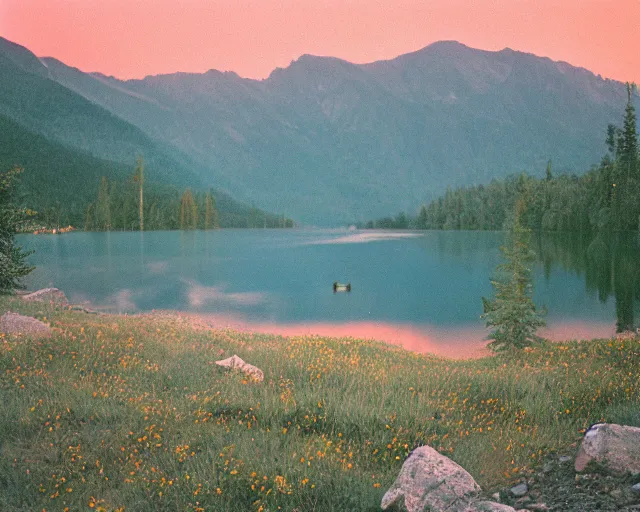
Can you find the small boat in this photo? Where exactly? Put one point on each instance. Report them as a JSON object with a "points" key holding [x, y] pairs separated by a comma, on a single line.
{"points": [[339, 287]]}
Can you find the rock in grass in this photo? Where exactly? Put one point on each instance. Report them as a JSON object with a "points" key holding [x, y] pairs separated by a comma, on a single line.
{"points": [[636, 488], [13, 323], [519, 490], [237, 363], [616, 446], [429, 481], [485, 506], [46, 295], [537, 506]]}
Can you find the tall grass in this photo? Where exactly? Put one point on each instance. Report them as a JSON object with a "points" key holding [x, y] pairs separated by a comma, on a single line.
{"points": [[131, 413]]}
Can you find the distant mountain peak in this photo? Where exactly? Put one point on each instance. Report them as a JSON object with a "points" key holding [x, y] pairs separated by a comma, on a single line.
{"points": [[447, 44], [445, 48], [217, 72], [315, 60], [330, 140]]}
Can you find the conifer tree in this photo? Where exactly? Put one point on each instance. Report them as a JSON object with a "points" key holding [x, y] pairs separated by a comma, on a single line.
{"points": [[12, 258], [612, 132], [88, 217], [138, 177], [626, 172], [512, 313], [188, 211], [422, 218], [102, 218], [210, 212], [629, 140]]}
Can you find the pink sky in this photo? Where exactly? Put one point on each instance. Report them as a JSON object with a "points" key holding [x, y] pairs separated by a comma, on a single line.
{"points": [[134, 38]]}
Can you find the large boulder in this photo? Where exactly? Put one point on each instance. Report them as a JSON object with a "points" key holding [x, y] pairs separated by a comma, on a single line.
{"points": [[237, 363], [13, 323], [429, 481], [45, 295], [616, 446]]}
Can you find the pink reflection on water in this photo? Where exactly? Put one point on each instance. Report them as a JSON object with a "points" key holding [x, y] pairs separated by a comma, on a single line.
{"points": [[456, 342], [459, 343]]}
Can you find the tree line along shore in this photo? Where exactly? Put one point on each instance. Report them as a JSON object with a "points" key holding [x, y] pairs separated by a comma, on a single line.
{"points": [[606, 198]]}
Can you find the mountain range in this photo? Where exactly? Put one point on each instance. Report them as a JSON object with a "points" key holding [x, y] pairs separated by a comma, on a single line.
{"points": [[324, 140]]}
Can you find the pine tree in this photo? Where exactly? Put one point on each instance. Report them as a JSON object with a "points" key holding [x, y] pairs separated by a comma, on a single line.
{"points": [[188, 211], [612, 133], [512, 313], [102, 218], [88, 217], [422, 218], [12, 259], [138, 177], [626, 172], [629, 139], [210, 212]]}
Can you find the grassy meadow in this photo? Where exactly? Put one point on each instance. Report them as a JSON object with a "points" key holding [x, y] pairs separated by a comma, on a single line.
{"points": [[118, 413]]}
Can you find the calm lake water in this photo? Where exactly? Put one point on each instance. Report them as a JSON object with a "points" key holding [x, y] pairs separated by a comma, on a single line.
{"points": [[422, 290]]}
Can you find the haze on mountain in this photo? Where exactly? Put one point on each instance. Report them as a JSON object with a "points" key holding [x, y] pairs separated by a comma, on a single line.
{"points": [[327, 141], [66, 143]]}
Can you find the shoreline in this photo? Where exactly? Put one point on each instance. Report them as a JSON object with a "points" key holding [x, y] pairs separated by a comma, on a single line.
{"points": [[452, 342], [460, 343]]}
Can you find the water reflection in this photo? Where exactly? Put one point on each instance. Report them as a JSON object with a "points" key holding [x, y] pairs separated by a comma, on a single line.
{"points": [[609, 263], [420, 291]]}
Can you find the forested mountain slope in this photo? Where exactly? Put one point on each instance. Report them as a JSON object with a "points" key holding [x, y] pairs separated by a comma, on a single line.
{"points": [[329, 141]]}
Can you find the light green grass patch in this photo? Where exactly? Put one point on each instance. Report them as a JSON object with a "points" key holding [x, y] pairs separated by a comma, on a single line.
{"points": [[131, 413]]}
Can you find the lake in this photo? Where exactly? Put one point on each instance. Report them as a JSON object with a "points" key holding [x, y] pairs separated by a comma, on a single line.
{"points": [[419, 289]]}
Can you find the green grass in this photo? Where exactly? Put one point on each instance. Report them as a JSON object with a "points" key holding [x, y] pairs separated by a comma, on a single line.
{"points": [[131, 413]]}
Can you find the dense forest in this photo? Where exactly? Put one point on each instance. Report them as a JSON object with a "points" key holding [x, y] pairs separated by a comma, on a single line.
{"points": [[607, 198], [116, 207]]}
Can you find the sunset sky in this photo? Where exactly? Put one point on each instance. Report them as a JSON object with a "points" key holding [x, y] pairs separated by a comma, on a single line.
{"points": [[134, 38]]}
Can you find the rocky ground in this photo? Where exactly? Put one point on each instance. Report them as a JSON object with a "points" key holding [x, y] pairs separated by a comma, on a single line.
{"points": [[557, 487]]}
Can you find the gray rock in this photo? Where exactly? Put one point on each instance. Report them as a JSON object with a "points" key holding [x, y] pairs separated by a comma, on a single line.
{"points": [[616, 446], [13, 323], [485, 506], [237, 363], [564, 458], [636, 488], [430, 481], [46, 295], [84, 310], [519, 490]]}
